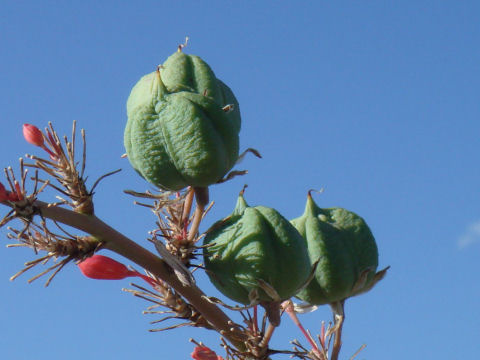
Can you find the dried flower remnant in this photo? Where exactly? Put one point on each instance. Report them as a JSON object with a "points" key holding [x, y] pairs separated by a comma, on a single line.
{"points": [[164, 296], [18, 198], [289, 309], [40, 238]]}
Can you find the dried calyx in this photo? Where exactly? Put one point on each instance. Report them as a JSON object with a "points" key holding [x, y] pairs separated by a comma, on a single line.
{"points": [[40, 238]]}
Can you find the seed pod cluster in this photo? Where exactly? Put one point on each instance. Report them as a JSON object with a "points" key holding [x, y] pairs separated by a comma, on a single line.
{"points": [[182, 130], [252, 248]]}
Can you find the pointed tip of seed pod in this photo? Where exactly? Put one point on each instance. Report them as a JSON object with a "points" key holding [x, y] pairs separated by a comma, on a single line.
{"points": [[160, 86], [316, 191], [242, 192], [181, 46], [241, 204]]}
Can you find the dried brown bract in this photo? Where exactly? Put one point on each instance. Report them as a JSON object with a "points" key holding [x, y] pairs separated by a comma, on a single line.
{"points": [[62, 166], [165, 297], [40, 238]]}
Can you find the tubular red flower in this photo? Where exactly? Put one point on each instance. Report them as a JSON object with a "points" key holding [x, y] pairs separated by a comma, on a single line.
{"points": [[33, 135], [204, 353], [104, 268]]}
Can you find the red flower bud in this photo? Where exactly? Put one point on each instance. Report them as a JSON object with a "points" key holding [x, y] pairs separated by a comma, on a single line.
{"points": [[105, 268], [33, 135], [12, 196], [3, 193], [204, 353]]}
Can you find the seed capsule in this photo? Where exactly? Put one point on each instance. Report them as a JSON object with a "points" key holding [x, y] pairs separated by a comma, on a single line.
{"points": [[178, 133], [345, 249], [256, 254]]}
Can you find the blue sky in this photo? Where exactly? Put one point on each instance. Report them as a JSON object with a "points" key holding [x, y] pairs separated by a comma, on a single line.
{"points": [[374, 101]]}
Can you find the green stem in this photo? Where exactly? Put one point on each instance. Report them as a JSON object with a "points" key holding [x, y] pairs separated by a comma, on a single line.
{"points": [[201, 197]]}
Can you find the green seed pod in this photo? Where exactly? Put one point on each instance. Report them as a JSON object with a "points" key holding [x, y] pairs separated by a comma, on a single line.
{"points": [[345, 249], [253, 250], [181, 130]]}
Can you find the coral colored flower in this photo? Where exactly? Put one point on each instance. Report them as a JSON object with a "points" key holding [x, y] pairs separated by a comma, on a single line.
{"points": [[33, 135], [204, 353], [105, 268]]}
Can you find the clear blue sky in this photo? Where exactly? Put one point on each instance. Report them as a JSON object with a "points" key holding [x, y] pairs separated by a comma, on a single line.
{"points": [[375, 101]]}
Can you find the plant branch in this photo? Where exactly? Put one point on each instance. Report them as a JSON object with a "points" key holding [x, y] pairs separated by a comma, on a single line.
{"points": [[117, 242]]}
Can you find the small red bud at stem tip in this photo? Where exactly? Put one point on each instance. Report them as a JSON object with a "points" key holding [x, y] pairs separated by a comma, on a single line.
{"points": [[204, 353], [33, 135]]}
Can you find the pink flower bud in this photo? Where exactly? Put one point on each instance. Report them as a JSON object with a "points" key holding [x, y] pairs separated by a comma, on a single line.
{"points": [[204, 353], [104, 268], [32, 134]]}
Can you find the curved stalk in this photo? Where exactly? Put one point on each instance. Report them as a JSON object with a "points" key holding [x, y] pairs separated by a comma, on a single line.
{"points": [[119, 243]]}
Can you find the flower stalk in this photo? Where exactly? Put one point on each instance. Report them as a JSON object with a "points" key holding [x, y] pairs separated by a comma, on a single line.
{"points": [[119, 243]]}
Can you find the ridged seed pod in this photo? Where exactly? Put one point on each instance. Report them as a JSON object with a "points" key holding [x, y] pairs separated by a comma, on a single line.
{"points": [[255, 246], [183, 125], [345, 249]]}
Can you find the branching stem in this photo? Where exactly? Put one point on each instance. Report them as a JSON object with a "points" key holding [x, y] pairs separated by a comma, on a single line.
{"points": [[117, 242]]}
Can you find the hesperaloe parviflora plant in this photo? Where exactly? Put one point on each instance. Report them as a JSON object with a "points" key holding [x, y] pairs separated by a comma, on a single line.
{"points": [[182, 136]]}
